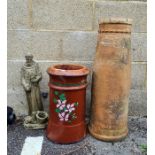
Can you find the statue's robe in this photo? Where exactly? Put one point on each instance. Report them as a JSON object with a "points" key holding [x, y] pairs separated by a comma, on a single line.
{"points": [[31, 75]]}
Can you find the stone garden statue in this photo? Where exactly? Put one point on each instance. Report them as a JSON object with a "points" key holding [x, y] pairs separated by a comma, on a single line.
{"points": [[30, 77]]}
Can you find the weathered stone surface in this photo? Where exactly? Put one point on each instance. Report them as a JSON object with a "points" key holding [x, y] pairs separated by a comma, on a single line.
{"points": [[138, 76], [139, 46], [53, 45], [43, 45], [13, 76], [17, 100], [79, 45], [18, 44], [18, 14], [62, 14], [134, 10], [138, 103], [46, 45]]}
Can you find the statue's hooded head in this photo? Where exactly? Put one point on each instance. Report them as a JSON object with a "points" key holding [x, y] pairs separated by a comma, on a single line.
{"points": [[29, 59]]}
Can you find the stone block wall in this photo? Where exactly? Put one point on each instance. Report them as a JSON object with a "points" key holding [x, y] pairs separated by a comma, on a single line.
{"points": [[65, 31]]}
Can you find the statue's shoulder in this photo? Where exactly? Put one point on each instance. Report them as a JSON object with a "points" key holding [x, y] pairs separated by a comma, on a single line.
{"points": [[35, 64], [23, 68]]}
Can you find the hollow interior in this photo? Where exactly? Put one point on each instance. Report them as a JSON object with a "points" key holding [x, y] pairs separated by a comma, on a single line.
{"points": [[41, 115], [68, 67]]}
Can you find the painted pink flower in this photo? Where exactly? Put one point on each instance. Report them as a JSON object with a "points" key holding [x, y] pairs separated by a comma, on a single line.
{"points": [[70, 108], [60, 104], [63, 117], [66, 117]]}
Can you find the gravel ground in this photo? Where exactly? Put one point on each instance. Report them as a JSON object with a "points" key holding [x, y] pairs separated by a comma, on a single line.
{"points": [[89, 146]]}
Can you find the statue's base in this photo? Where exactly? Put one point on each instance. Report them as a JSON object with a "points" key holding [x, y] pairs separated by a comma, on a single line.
{"points": [[38, 120], [34, 126]]}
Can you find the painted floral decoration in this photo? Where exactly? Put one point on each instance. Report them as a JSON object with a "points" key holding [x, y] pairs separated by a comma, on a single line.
{"points": [[65, 110]]}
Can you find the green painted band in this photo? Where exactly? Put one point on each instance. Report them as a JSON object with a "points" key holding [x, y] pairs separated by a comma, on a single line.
{"points": [[68, 84]]}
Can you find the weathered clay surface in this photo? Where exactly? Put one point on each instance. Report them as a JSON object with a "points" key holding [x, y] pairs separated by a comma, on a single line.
{"points": [[111, 81], [67, 84]]}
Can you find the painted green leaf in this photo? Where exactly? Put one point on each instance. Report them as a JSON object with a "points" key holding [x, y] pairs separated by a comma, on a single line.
{"points": [[57, 110], [62, 97], [56, 92], [54, 100], [65, 108], [76, 103]]}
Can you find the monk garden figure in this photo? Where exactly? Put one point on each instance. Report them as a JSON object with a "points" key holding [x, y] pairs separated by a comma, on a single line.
{"points": [[30, 77]]}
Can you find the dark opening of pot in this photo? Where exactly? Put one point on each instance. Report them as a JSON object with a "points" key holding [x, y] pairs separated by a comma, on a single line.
{"points": [[41, 115], [68, 67]]}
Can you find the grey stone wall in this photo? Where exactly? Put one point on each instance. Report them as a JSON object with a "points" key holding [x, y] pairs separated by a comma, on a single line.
{"points": [[65, 31]]}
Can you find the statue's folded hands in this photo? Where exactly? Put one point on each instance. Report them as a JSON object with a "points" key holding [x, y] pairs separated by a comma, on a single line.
{"points": [[27, 88], [36, 79]]}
